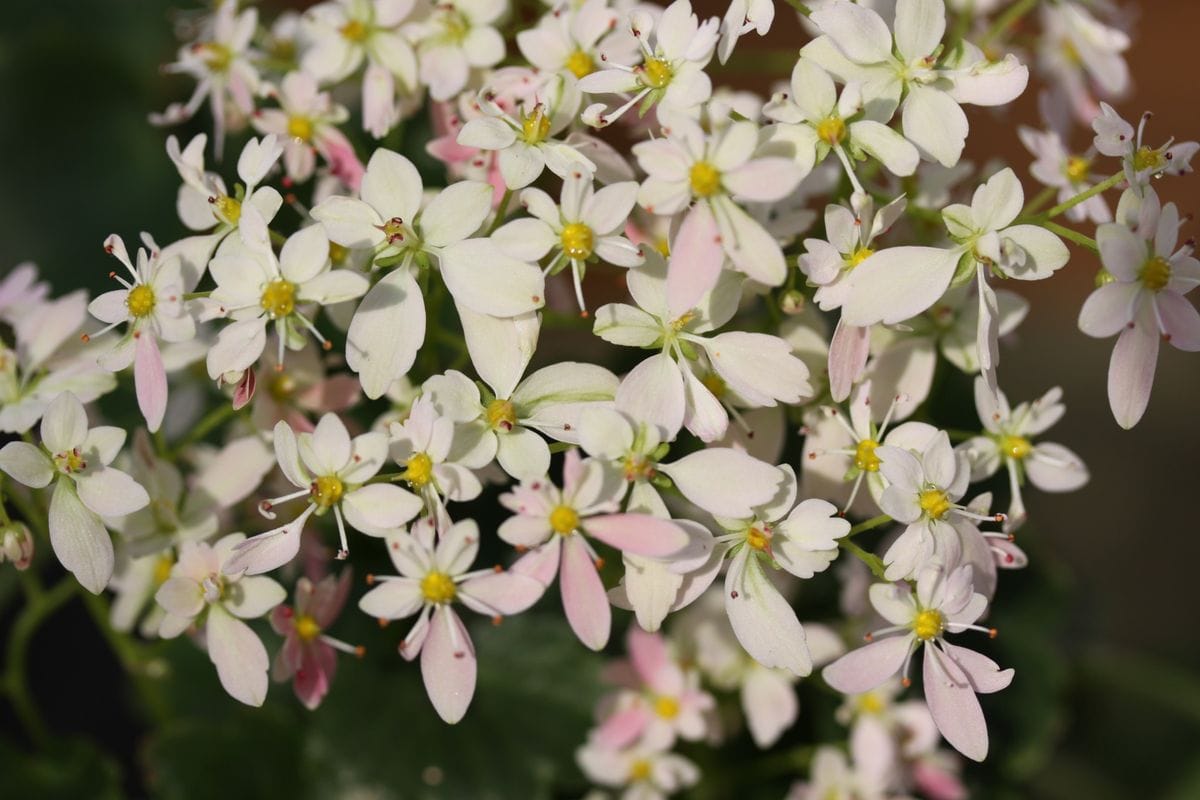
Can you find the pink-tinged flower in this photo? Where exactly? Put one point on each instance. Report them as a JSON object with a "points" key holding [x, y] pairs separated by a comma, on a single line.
{"points": [[662, 701], [309, 654], [306, 122], [331, 471], [1009, 441], [16, 545], [153, 308], [293, 391], [645, 773], [1115, 137], [432, 578], [1144, 301], [21, 292], [199, 587], [943, 603], [557, 524]]}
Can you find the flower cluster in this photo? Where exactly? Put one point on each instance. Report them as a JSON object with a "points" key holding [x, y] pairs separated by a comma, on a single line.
{"points": [[397, 351]]}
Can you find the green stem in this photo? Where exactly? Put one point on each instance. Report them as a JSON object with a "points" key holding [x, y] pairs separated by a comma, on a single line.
{"points": [[212, 420], [501, 210], [1070, 203], [39, 605], [800, 7], [873, 522], [873, 562], [1072, 235], [1039, 200], [1007, 20], [195, 295]]}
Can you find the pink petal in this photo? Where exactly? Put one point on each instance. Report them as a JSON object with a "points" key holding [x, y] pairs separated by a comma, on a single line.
{"points": [[501, 593], [1131, 374], [984, 674], [623, 727], [696, 259], [863, 669], [267, 551], [1180, 321], [448, 665], [244, 391], [540, 563], [954, 706], [648, 652], [640, 534], [583, 596], [150, 379], [314, 674], [848, 351], [936, 782]]}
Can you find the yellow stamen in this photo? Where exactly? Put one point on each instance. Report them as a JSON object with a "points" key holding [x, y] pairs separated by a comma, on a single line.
{"points": [[535, 127], [217, 56], [338, 253], [282, 387], [70, 461], [279, 298], [564, 520], [757, 539], [501, 415], [228, 209], [858, 256], [864, 455], [1015, 447], [935, 503], [1077, 169], [705, 179], [300, 128], [666, 707], [418, 470], [1155, 274], [162, 569], [140, 301], [580, 64], [577, 241], [307, 628], [928, 624], [656, 73], [354, 31], [1148, 158], [715, 384], [831, 130], [870, 703], [438, 587]]}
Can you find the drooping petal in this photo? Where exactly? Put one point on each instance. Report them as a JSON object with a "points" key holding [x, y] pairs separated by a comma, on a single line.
{"points": [[696, 259], [79, 539], [1131, 374], [770, 705], [584, 599], [239, 656], [953, 705], [448, 665], [762, 620], [386, 332]]}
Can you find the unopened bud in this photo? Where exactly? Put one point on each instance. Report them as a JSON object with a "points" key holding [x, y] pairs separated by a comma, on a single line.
{"points": [[16, 545], [792, 302], [1103, 278]]}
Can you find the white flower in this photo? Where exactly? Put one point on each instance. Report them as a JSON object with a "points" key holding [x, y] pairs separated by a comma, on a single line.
{"points": [[1144, 302], [222, 64], [713, 173], [200, 586], [550, 400], [76, 458], [455, 37], [332, 471], [153, 307], [432, 578], [643, 772], [1056, 167], [525, 143], [742, 17], [254, 288], [586, 227], [1081, 53], [1115, 137], [21, 292], [858, 46], [389, 325], [344, 33], [672, 69], [1009, 441], [665, 388], [438, 455], [576, 38], [306, 122]]}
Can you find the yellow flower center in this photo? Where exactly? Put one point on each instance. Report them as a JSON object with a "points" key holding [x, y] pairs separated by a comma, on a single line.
{"points": [[831, 130], [858, 256], [758, 539], [666, 707], [1148, 158], [228, 209], [577, 241], [928, 624], [564, 520], [70, 461], [300, 128], [580, 64], [680, 322], [705, 179], [656, 73], [162, 568], [327, 490], [217, 56], [140, 300], [864, 455], [501, 415], [279, 298], [934, 503], [1015, 447], [455, 27], [418, 470], [338, 253], [282, 387], [307, 628], [870, 703], [1077, 169], [535, 127], [438, 587], [1070, 53], [1155, 273], [354, 31]]}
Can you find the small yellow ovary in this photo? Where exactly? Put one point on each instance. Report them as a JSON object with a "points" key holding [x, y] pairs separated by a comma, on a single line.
{"points": [[307, 628], [501, 415], [300, 128], [758, 539], [870, 703], [1077, 169], [438, 587], [418, 470], [327, 491], [1015, 447], [580, 64], [71, 461], [338, 253], [705, 179], [666, 707], [935, 503], [354, 31], [639, 770], [831, 130], [228, 209], [928, 624], [140, 301], [864, 455], [278, 298], [1148, 158], [858, 256], [578, 241], [656, 73], [535, 127], [1155, 274], [564, 520], [217, 57], [282, 387]]}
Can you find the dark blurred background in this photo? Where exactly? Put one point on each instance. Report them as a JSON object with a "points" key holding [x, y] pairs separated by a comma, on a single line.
{"points": [[1107, 701]]}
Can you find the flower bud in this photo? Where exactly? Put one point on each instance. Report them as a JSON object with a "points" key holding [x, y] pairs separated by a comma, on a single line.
{"points": [[16, 545], [792, 302]]}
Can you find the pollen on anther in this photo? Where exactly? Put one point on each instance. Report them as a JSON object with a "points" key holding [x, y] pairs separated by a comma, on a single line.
{"points": [[370, 580], [599, 563], [360, 651], [497, 568], [459, 654], [906, 682], [342, 555], [85, 338], [993, 633], [497, 619]]}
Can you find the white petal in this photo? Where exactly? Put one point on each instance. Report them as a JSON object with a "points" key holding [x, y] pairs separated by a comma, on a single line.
{"points": [[483, 278], [386, 332], [239, 656], [26, 464], [897, 284], [79, 539], [764, 623]]}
